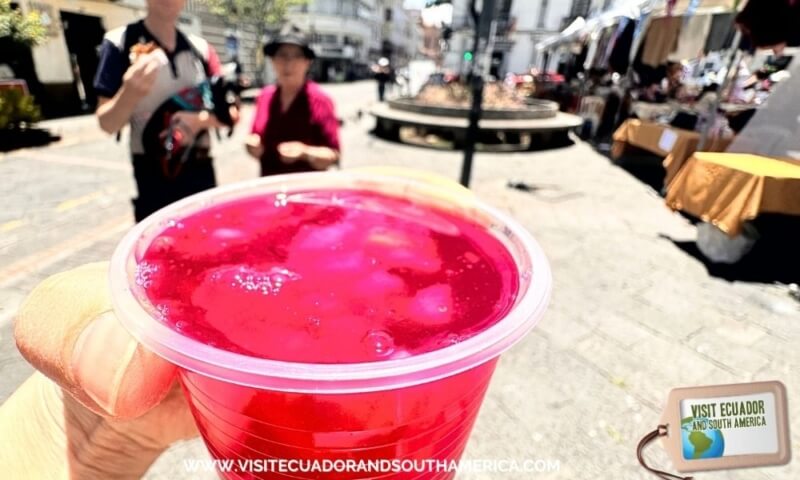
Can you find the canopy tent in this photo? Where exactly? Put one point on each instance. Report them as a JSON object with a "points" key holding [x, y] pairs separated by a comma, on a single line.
{"points": [[581, 27], [574, 29], [634, 9]]}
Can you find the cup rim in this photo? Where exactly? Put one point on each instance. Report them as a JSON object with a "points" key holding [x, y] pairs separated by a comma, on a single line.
{"points": [[231, 367]]}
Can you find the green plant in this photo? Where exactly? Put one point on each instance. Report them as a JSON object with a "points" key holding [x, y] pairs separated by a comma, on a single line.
{"points": [[259, 14], [17, 109], [26, 29]]}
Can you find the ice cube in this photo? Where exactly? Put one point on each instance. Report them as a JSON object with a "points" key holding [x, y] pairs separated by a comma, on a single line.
{"points": [[315, 238], [380, 284], [398, 249], [432, 306]]}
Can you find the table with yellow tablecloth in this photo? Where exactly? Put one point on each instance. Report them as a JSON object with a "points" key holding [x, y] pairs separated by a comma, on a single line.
{"points": [[730, 189], [675, 144]]}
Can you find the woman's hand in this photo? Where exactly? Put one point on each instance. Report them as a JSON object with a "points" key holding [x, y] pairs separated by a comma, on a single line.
{"points": [[101, 406], [254, 146], [292, 151], [321, 158]]}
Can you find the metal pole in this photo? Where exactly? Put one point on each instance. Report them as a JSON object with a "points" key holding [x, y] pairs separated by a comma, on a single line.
{"points": [[711, 115], [482, 24]]}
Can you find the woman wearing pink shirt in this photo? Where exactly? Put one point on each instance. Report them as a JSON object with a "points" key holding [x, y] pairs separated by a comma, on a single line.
{"points": [[295, 128]]}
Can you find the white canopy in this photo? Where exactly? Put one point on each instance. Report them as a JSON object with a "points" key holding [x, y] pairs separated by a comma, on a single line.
{"points": [[574, 29], [629, 9]]}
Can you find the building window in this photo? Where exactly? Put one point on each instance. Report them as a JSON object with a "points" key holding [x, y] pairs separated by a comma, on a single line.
{"points": [[324, 38], [387, 15], [543, 15]]}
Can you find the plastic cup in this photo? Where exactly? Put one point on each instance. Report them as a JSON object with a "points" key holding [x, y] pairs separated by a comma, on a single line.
{"points": [[396, 417]]}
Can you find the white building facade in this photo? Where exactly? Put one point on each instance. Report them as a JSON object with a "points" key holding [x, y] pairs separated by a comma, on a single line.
{"points": [[60, 71], [534, 20], [348, 35], [519, 26]]}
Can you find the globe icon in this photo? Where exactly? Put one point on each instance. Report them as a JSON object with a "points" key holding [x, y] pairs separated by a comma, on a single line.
{"points": [[699, 444]]}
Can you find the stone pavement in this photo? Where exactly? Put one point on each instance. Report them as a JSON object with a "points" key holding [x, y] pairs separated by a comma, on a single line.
{"points": [[632, 316]]}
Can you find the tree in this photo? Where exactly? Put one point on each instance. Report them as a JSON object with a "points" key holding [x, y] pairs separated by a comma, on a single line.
{"points": [[20, 28], [260, 14]]}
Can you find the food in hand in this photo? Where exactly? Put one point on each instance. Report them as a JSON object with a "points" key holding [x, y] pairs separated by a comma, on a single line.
{"points": [[141, 49]]}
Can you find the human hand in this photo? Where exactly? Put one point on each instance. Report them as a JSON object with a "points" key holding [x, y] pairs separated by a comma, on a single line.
{"points": [[254, 146], [292, 151], [115, 403], [192, 123], [321, 158], [233, 110], [140, 77]]}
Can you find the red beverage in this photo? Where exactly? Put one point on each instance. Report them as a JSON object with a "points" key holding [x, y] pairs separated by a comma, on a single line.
{"points": [[329, 286], [328, 277]]}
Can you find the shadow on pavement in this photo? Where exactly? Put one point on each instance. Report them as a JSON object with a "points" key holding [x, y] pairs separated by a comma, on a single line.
{"points": [[774, 258], [644, 166], [25, 138]]}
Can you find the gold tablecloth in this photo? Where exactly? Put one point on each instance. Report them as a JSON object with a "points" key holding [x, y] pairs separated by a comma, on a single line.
{"points": [[729, 189], [649, 135]]}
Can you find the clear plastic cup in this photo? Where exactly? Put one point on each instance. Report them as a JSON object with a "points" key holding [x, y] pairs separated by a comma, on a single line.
{"points": [[396, 416]]}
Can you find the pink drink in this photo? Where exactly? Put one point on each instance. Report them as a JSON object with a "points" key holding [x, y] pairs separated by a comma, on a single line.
{"points": [[329, 284], [328, 277]]}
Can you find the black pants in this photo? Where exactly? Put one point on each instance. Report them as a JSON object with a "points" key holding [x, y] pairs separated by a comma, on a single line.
{"points": [[156, 190], [381, 91]]}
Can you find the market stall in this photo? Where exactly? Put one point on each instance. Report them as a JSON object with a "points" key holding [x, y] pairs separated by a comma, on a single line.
{"points": [[759, 174], [728, 190], [675, 144], [662, 55]]}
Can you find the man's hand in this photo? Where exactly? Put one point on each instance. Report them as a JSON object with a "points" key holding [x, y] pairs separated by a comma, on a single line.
{"points": [[109, 407], [320, 158], [141, 76], [192, 123]]}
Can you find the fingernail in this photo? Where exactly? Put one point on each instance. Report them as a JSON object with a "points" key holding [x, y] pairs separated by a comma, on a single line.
{"points": [[100, 358]]}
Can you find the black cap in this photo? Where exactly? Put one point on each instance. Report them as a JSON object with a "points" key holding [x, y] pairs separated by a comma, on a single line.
{"points": [[290, 36]]}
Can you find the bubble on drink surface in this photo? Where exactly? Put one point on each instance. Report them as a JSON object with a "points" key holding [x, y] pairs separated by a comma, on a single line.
{"points": [[162, 244], [264, 281], [454, 338], [172, 223], [145, 272], [281, 200], [162, 311], [379, 342]]}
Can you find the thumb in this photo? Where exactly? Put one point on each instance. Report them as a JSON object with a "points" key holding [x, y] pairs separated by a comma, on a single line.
{"points": [[66, 328], [116, 372]]}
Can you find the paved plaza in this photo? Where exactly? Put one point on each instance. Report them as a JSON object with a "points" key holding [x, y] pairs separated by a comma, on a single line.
{"points": [[632, 314]]}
